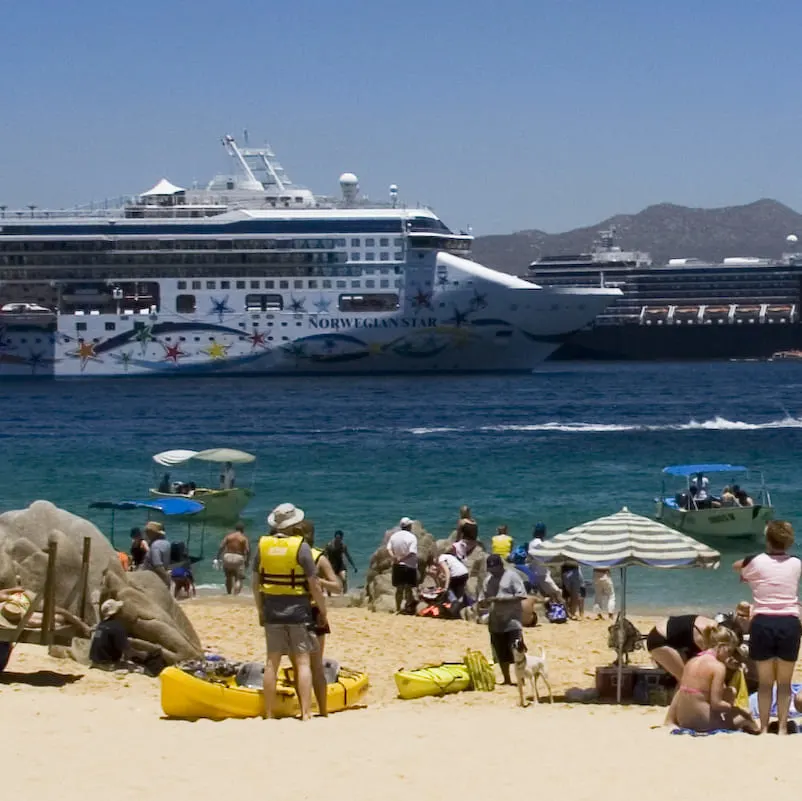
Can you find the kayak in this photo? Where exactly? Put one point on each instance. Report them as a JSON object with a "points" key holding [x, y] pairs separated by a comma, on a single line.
{"points": [[189, 697], [449, 677]]}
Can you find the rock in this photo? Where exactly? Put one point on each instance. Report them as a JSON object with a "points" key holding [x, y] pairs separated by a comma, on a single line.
{"points": [[150, 613]]}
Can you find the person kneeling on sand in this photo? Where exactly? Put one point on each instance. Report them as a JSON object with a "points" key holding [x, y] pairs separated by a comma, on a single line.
{"points": [[284, 586], [703, 703]]}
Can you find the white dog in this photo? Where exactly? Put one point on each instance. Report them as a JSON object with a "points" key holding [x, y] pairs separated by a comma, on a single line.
{"points": [[528, 669]]}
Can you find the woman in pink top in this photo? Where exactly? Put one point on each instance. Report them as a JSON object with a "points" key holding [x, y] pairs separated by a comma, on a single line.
{"points": [[775, 632]]}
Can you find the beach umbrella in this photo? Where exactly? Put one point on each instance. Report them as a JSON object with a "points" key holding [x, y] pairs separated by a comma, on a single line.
{"points": [[626, 540]]}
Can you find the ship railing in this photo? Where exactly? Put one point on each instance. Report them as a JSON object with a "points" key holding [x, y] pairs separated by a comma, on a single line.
{"points": [[8, 216]]}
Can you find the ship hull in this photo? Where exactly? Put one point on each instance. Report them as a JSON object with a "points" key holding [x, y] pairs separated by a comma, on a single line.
{"points": [[634, 342]]}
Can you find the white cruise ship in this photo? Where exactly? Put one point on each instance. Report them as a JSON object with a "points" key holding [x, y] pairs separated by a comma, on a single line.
{"points": [[255, 275]]}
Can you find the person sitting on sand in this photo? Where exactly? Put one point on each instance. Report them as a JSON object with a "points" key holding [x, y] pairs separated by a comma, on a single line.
{"points": [[403, 549], [504, 592], [703, 703], [109, 645], [234, 552]]}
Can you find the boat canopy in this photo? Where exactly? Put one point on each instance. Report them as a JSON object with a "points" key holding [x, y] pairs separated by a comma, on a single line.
{"points": [[167, 506], [179, 457], [691, 469]]}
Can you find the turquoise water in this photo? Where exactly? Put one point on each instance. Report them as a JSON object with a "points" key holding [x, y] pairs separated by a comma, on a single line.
{"points": [[566, 444]]}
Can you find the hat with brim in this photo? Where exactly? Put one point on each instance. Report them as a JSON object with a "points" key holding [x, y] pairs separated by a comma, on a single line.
{"points": [[284, 516], [154, 527], [109, 608]]}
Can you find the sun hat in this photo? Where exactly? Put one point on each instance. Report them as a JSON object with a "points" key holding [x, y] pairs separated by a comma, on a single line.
{"points": [[154, 527], [285, 516], [109, 608], [14, 609], [405, 521]]}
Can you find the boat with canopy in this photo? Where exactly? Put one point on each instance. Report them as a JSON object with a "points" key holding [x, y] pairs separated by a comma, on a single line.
{"points": [[190, 511], [721, 510], [223, 501]]}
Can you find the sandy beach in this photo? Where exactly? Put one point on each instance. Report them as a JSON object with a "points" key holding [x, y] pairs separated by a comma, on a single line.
{"points": [[86, 734]]}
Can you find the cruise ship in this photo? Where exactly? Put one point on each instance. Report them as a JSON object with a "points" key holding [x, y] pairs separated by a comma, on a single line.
{"points": [[741, 308], [254, 274]]}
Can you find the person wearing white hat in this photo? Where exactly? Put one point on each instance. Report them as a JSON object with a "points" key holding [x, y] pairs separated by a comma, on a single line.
{"points": [[403, 549], [284, 585], [109, 644]]}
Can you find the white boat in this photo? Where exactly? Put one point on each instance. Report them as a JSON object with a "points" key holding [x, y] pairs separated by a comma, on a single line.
{"points": [[709, 517], [223, 503], [254, 274]]}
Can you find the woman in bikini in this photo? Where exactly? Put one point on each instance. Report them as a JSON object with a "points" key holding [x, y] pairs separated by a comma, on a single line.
{"points": [[703, 702], [676, 640]]}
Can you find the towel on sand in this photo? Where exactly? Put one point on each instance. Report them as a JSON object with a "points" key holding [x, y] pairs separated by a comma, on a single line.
{"points": [[795, 688]]}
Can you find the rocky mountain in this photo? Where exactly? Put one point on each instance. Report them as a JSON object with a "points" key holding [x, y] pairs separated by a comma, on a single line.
{"points": [[665, 230]]}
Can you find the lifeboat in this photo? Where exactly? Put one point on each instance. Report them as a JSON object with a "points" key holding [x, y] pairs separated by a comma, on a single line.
{"points": [[653, 314], [718, 314], [687, 314], [779, 313], [747, 313]]}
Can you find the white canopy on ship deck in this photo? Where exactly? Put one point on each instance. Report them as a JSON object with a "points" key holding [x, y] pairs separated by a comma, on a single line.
{"points": [[164, 187], [179, 457]]}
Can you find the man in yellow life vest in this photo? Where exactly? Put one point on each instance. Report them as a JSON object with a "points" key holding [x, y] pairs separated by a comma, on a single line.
{"points": [[502, 542], [284, 586]]}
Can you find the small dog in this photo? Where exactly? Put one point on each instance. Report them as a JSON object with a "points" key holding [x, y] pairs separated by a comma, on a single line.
{"points": [[528, 669]]}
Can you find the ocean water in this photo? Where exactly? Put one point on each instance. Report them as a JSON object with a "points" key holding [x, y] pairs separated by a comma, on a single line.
{"points": [[566, 444]]}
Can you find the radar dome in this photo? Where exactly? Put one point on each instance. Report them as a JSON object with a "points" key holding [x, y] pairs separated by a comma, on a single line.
{"points": [[349, 186], [792, 238], [348, 178]]}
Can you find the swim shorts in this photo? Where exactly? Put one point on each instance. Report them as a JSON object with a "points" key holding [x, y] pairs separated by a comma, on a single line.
{"points": [[774, 637], [288, 639], [404, 576], [234, 563]]}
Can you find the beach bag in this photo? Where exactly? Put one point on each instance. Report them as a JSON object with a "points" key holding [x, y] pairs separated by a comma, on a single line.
{"points": [[555, 612], [623, 635], [482, 676]]}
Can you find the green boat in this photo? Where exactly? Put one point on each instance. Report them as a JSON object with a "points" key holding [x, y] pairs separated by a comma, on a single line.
{"points": [[223, 503]]}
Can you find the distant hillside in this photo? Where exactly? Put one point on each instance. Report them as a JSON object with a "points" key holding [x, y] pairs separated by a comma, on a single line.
{"points": [[666, 231]]}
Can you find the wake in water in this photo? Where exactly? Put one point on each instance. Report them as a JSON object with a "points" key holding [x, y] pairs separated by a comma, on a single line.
{"points": [[715, 424]]}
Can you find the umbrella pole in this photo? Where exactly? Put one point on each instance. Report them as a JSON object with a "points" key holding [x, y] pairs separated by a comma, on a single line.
{"points": [[620, 638]]}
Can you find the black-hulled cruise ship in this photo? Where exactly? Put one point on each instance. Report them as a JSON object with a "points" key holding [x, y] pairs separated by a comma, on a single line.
{"points": [[741, 308]]}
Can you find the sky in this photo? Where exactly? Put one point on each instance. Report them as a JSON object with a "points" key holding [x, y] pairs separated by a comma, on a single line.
{"points": [[504, 115]]}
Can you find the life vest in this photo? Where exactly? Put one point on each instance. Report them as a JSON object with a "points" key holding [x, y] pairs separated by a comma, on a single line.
{"points": [[502, 545], [279, 571]]}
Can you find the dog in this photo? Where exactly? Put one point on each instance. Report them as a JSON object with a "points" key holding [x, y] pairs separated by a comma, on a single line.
{"points": [[528, 669]]}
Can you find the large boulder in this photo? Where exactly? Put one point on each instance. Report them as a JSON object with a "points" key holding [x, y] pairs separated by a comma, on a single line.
{"points": [[150, 613], [379, 592]]}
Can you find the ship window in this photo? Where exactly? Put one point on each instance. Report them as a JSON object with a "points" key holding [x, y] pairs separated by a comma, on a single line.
{"points": [[355, 243], [254, 285], [373, 302], [384, 256], [270, 284], [384, 283], [398, 242], [355, 284], [111, 326], [326, 284], [370, 283], [384, 243], [225, 285], [240, 285], [264, 303], [283, 284], [211, 284], [370, 242], [182, 284], [298, 284], [355, 257], [80, 326], [370, 256], [342, 284], [185, 304], [399, 256], [196, 284], [313, 284]]}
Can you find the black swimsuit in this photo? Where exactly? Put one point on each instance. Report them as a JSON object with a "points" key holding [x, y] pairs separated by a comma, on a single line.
{"points": [[679, 635]]}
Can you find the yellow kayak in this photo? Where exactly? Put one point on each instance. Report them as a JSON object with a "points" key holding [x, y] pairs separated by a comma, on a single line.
{"points": [[188, 697], [450, 677]]}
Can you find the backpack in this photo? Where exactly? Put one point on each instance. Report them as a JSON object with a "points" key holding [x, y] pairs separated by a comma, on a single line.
{"points": [[519, 555], [555, 612], [625, 633]]}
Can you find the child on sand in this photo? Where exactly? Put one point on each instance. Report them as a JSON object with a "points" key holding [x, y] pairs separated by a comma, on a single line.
{"points": [[603, 593]]}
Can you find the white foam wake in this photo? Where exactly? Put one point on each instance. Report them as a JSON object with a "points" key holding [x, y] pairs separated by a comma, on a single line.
{"points": [[715, 424]]}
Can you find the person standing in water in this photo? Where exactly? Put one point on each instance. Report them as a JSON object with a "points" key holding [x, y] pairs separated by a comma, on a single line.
{"points": [[337, 552], [235, 551]]}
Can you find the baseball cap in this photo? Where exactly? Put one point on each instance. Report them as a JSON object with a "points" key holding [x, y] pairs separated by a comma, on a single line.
{"points": [[405, 521], [494, 560]]}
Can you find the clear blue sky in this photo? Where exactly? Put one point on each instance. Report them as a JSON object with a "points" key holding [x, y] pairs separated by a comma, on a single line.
{"points": [[505, 115]]}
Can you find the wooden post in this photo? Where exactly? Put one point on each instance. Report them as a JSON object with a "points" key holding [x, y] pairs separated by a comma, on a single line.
{"points": [[84, 578], [49, 609]]}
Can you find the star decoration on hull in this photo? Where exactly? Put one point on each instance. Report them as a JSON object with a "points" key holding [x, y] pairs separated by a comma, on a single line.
{"points": [[124, 359], [85, 351], [144, 336], [478, 301], [221, 308], [297, 305], [35, 360], [322, 306], [5, 341], [217, 350], [422, 300], [296, 350], [172, 353], [460, 318], [257, 340]]}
